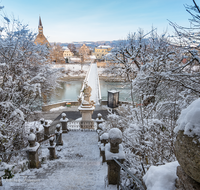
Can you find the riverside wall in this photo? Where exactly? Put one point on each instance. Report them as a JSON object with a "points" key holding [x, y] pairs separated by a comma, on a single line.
{"points": [[46, 108]]}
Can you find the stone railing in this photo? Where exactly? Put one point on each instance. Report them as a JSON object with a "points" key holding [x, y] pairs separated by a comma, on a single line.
{"points": [[82, 125], [73, 125]]}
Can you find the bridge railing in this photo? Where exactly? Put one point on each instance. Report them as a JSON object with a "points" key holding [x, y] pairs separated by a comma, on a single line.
{"points": [[99, 93]]}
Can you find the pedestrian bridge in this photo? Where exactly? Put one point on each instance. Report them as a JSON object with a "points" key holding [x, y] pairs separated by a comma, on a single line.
{"points": [[92, 79]]}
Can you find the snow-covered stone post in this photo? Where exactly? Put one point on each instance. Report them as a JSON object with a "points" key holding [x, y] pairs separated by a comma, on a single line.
{"points": [[46, 130], [33, 151], [64, 122], [104, 139], [99, 120], [114, 149], [52, 150], [187, 147], [58, 133]]}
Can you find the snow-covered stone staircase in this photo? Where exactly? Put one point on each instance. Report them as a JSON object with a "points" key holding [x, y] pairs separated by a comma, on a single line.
{"points": [[78, 167]]}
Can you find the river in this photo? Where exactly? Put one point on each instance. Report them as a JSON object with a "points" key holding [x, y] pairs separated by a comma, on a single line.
{"points": [[71, 89]]}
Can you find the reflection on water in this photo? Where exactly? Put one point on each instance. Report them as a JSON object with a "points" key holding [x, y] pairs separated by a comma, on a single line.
{"points": [[71, 90], [122, 87]]}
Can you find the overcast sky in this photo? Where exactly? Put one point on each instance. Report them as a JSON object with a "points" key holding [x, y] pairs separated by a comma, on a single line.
{"points": [[91, 20]]}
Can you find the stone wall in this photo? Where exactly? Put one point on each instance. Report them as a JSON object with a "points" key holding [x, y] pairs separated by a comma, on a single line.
{"points": [[56, 105], [188, 154], [185, 182]]}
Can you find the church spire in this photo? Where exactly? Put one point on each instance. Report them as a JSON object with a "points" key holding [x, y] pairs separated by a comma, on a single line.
{"points": [[40, 22], [40, 27], [40, 39]]}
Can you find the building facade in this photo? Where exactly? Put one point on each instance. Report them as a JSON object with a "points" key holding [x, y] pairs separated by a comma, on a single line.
{"points": [[84, 51], [67, 53], [101, 51]]}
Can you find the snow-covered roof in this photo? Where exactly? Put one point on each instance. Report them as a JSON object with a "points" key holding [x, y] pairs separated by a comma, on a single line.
{"points": [[104, 47], [113, 91], [66, 48]]}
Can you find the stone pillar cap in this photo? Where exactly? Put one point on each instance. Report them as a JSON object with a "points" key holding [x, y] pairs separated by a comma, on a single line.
{"points": [[42, 119], [115, 133], [64, 115], [31, 137], [57, 126]]}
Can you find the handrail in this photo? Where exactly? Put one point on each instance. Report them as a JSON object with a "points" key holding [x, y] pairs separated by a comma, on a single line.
{"points": [[122, 187], [135, 178]]}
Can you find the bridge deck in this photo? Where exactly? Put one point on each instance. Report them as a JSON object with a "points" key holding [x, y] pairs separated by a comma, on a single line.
{"points": [[93, 81]]}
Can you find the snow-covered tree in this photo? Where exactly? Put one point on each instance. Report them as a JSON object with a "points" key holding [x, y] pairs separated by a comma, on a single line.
{"points": [[25, 77], [165, 79]]}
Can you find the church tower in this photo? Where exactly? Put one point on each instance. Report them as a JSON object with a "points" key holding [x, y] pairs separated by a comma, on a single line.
{"points": [[40, 27], [41, 39]]}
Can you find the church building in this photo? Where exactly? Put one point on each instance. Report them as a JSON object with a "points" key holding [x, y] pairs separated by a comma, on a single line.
{"points": [[41, 39]]}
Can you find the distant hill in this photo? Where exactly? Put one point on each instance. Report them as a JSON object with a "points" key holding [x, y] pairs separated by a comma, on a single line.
{"points": [[92, 44]]}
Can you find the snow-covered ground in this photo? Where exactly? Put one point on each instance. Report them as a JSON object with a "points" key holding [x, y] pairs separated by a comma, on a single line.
{"points": [[78, 167], [58, 108], [161, 177]]}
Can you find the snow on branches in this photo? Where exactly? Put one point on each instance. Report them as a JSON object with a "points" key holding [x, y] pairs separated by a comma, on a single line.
{"points": [[26, 77]]}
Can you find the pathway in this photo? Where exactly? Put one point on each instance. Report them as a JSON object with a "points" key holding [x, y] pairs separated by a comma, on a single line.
{"points": [[78, 167], [93, 81]]}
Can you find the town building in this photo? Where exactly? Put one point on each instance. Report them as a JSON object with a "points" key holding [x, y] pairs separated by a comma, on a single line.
{"points": [[101, 51], [40, 38], [67, 53], [84, 52]]}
